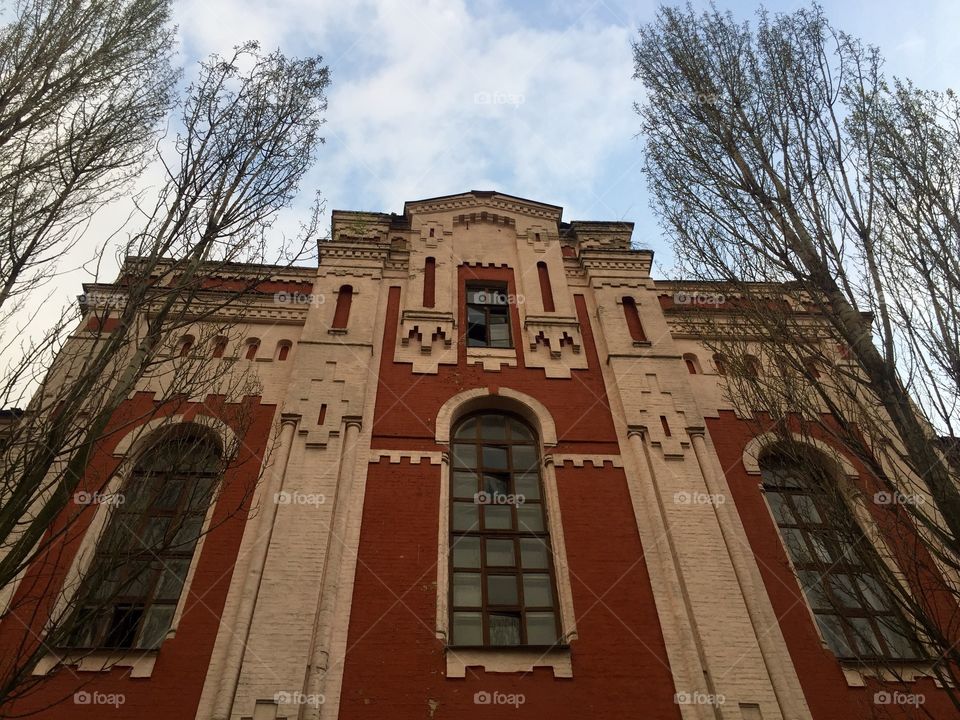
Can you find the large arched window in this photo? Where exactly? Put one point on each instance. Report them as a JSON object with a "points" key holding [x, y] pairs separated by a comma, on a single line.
{"points": [[855, 614], [502, 587], [133, 585]]}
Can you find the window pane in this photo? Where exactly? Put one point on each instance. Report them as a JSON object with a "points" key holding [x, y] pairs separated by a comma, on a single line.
{"points": [[499, 331], [898, 645], [187, 533], [494, 458], [530, 517], [467, 429], [805, 509], [533, 554], [528, 486], [466, 552], [779, 508], [500, 553], [476, 295], [541, 628], [467, 628], [497, 517], [519, 431], [875, 596], [464, 484], [537, 591], [504, 629], [493, 427], [813, 588], [123, 625], [833, 634], [524, 458], [168, 493], [842, 590], [465, 516], [496, 484], [866, 639], [171, 581], [466, 590], [465, 456], [154, 532], [155, 626], [502, 590], [796, 546]]}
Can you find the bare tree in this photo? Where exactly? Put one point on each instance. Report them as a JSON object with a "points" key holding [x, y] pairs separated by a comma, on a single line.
{"points": [[83, 86], [248, 131], [818, 202]]}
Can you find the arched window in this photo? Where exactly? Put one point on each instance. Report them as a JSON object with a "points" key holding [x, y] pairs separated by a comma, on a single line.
{"points": [[693, 365], [132, 588], [546, 292], [186, 345], [253, 345], [855, 614], [751, 366], [429, 282], [720, 363], [341, 315], [502, 587], [633, 320], [219, 346], [283, 350]]}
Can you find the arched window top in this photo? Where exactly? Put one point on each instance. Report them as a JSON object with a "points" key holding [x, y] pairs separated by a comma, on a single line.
{"points": [[693, 365], [253, 345], [186, 345], [283, 350], [494, 427], [341, 313]]}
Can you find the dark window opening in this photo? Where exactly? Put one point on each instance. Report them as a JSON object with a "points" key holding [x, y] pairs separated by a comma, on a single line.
{"points": [[341, 315], [546, 292], [429, 282], [488, 316], [633, 320], [253, 345]]}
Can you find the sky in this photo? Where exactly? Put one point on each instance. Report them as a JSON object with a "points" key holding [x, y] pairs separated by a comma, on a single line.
{"points": [[535, 99]]}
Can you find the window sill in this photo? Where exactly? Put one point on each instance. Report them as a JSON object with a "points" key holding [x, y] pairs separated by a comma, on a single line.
{"points": [[337, 331], [642, 343], [509, 660], [856, 672], [140, 662]]}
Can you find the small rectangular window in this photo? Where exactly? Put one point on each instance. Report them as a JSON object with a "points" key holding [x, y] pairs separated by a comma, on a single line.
{"points": [[488, 316]]}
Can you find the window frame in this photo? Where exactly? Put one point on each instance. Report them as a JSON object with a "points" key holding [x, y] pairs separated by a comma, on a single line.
{"points": [[515, 533], [784, 476], [492, 287], [157, 564]]}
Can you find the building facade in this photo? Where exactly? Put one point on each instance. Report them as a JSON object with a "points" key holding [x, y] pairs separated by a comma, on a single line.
{"points": [[491, 474]]}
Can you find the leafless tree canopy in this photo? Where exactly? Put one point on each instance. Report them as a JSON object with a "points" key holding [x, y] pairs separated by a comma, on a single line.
{"points": [[820, 199], [83, 86]]}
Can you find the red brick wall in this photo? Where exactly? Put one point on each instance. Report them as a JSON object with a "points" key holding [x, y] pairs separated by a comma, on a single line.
{"points": [[395, 665], [173, 690]]}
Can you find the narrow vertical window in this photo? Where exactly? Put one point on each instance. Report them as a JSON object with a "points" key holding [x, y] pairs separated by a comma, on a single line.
{"points": [[502, 586], [341, 314], [720, 363], [546, 292], [134, 582], [751, 366], [429, 282], [219, 347], [253, 345], [633, 320], [855, 614], [283, 350], [186, 345], [693, 366]]}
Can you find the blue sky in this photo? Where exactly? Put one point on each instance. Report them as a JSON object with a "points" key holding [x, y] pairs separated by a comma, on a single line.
{"points": [[531, 98]]}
